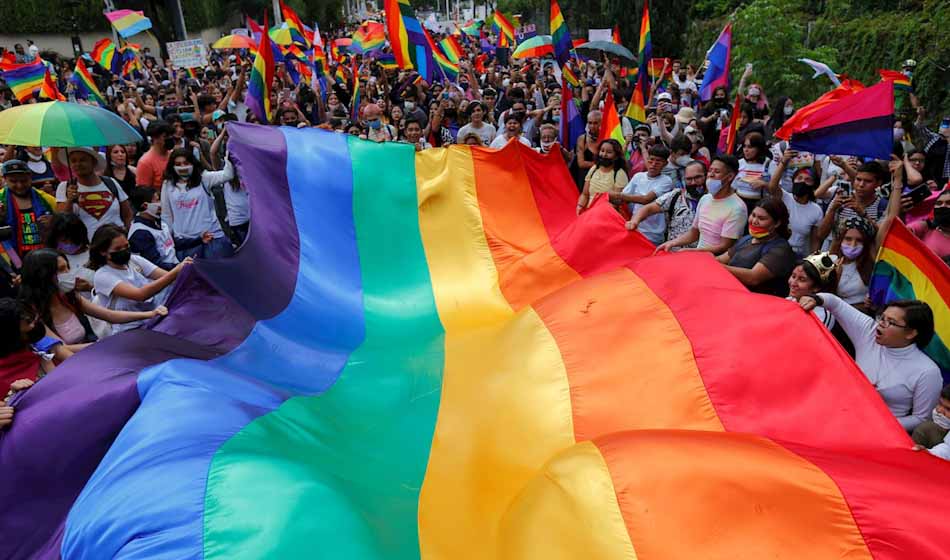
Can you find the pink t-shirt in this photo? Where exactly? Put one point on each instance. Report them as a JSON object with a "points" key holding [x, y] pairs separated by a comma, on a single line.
{"points": [[938, 242], [151, 169]]}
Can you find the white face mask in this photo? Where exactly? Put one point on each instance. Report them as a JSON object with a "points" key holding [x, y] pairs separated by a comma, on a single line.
{"points": [[66, 282], [683, 161], [546, 146], [789, 111], [154, 208], [941, 420], [184, 170], [34, 157], [410, 105]]}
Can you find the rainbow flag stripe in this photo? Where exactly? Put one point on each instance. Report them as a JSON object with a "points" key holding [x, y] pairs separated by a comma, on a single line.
{"points": [[560, 36], [24, 79], [85, 84], [488, 376], [261, 80], [908, 269], [636, 109], [610, 126], [128, 22], [369, 37], [472, 28], [105, 54], [387, 61]]}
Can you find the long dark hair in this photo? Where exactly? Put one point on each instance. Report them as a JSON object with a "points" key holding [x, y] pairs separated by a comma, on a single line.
{"points": [[620, 162], [101, 241], [67, 227], [38, 284], [777, 210], [196, 168], [864, 263], [11, 339]]}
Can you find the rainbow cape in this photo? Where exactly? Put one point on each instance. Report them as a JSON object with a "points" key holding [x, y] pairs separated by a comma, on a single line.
{"points": [[487, 376], [128, 22], [908, 269], [261, 80]]}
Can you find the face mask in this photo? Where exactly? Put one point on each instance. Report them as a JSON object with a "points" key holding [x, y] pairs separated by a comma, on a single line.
{"points": [[169, 143], [66, 282], [683, 161], [410, 105], [941, 420], [898, 133], [464, 86], [546, 146], [34, 157], [451, 113], [556, 119], [122, 257], [801, 189], [713, 186], [852, 251], [604, 162], [721, 101], [789, 111], [184, 170], [757, 231], [942, 216], [68, 248], [154, 208], [375, 124]]}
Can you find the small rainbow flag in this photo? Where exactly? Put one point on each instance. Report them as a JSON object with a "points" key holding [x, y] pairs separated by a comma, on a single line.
{"points": [[297, 30], [452, 49], [560, 36], [610, 126], [85, 84], [261, 80], [369, 37], [128, 22], [339, 75], [105, 54], [24, 79], [636, 109], [908, 269], [505, 30], [450, 70], [901, 81], [387, 61]]}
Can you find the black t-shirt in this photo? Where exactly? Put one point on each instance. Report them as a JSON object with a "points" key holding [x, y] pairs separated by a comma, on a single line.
{"points": [[775, 254]]}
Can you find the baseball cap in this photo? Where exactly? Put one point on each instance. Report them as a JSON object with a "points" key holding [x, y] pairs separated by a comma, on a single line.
{"points": [[217, 114], [15, 166]]}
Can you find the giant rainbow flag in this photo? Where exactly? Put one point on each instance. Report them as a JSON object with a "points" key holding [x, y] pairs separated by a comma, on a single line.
{"points": [[488, 376]]}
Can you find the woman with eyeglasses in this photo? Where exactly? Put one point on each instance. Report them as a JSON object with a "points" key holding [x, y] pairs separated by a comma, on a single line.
{"points": [[888, 349]]}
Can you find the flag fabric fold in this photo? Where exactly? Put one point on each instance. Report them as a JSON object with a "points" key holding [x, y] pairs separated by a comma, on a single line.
{"points": [[260, 82], [718, 59], [128, 22]]}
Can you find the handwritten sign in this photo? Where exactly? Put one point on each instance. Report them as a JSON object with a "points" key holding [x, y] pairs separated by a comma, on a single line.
{"points": [[188, 54]]}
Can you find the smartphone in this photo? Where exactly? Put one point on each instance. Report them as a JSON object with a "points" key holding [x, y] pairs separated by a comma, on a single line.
{"points": [[844, 187], [918, 194]]}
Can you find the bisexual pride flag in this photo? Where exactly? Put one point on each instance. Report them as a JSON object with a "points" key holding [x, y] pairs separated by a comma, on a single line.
{"points": [[488, 376]]}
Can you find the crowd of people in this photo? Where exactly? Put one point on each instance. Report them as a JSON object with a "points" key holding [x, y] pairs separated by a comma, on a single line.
{"points": [[100, 233]]}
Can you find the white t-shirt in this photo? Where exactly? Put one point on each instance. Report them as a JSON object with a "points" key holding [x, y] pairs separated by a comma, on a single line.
{"points": [[96, 206], [851, 287], [749, 171], [502, 140], [486, 132], [239, 205], [718, 218], [801, 219], [136, 274], [190, 211], [654, 227]]}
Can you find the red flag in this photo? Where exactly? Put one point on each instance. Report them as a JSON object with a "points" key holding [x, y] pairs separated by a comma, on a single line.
{"points": [[616, 35], [610, 126], [733, 125]]}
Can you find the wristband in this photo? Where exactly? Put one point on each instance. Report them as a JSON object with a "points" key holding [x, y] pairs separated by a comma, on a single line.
{"points": [[818, 299]]}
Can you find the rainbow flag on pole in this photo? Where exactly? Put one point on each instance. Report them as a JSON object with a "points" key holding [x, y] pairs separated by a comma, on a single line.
{"points": [[24, 79], [85, 84], [610, 126], [128, 22], [105, 53], [901, 81], [718, 57], [459, 385], [408, 39], [261, 80], [637, 108], [370, 36], [453, 51], [908, 269], [560, 36], [504, 29], [297, 29]]}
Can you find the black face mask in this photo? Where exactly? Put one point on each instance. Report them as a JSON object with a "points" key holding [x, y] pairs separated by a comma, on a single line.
{"points": [[604, 162], [695, 192], [169, 143], [451, 113], [801, 189], [942, 216], [720, 102], [122, 257]]}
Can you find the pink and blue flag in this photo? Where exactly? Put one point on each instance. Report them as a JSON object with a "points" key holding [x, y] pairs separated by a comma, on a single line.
{"points": [[717, 73]]}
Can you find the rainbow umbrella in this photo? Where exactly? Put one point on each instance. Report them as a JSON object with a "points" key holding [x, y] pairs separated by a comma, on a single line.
{"points": [[535, 47], [62, 124], [234, 42]]}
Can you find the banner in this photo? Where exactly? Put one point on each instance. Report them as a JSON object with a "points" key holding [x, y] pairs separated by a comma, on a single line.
{"points": [[600, 35], [525, 32], [188, 54]]}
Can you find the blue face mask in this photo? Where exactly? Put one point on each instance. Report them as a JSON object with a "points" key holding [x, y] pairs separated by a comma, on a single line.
{"points": [[713, 186], [556, 119], [375, 124]]}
